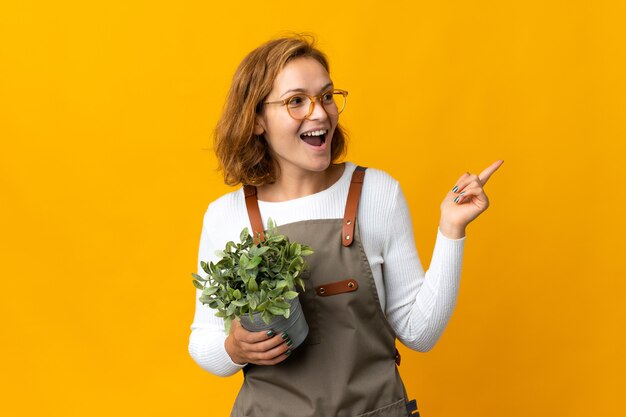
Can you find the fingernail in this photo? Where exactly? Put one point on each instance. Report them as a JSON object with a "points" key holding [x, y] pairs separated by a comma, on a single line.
{"points": [[288, 352], [456, 187], [289, 342], [284, 335], [456, 200], [270, 333], [462, 192]]}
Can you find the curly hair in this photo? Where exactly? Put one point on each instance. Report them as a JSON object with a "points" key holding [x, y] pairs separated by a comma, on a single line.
{"points": [[244, 157]]}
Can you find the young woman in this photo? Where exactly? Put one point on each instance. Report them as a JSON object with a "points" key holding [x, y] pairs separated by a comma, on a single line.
{"points": [[279, 137]]}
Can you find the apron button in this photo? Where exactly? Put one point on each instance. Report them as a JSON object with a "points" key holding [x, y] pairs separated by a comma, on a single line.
{"points": [[348, 237], [350, 284], [348, 221], [322, 290]]}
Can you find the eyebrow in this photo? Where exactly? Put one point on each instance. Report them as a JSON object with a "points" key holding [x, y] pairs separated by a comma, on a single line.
{"points": [[302, 90]]}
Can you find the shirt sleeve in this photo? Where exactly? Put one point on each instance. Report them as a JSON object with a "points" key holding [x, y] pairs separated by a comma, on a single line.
{"points": [[419, 304], [206, 342]]}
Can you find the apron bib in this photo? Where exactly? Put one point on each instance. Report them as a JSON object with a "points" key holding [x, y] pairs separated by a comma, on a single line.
{"points": [[347, 365]]}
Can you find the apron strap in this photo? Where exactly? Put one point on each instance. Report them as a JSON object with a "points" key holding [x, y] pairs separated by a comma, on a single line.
{"points": [[352, 204], [252, 205], [349, 217]]}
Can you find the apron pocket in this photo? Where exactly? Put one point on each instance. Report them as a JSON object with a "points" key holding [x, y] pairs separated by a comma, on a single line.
{"points": [[396, 409]]}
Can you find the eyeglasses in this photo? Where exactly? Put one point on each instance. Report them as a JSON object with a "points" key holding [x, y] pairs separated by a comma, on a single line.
{"points": [[301, 106]]}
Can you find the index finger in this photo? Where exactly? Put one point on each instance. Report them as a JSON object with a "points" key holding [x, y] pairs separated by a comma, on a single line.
{"points": [[484, 176]]}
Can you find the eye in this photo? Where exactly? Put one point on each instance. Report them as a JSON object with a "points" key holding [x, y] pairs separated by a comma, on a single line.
{"points": [[328, 97], [296, 101]]}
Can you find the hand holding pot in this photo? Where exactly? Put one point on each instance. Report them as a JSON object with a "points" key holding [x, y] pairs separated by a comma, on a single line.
{"points": [[259, 348]]}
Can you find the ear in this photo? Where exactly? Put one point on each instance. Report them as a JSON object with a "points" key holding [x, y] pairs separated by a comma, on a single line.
{"points": [[259, 126]]}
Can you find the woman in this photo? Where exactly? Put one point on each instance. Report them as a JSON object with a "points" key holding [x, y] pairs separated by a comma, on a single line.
{"points": [[279, 136]]}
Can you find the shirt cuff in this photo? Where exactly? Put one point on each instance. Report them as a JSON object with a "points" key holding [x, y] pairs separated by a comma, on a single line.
{"points": [[442, 236], [448, 255]]}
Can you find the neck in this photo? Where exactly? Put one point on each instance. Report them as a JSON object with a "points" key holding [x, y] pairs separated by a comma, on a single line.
{"points": [[295, 184]]}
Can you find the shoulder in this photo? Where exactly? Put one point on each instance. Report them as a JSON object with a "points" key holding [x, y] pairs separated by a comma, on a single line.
{"points": [[226, 213], [379, 185], [378, 201], [380, 177], [379, 195]]}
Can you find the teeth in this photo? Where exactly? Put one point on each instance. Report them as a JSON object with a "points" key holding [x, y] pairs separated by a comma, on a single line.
{"points": [[315, 133]]}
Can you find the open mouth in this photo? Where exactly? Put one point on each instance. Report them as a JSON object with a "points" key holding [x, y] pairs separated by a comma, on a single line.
{"points": [[315, 138]]}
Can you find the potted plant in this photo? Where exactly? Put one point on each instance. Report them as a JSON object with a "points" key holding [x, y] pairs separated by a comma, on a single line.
{"points": [[256, 283]]}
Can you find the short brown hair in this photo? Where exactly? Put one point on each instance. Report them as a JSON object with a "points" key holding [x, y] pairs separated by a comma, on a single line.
{"points": [[243, 156]]}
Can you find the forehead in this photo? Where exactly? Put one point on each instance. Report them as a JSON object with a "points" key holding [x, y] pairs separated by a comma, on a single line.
{"points": [[304, 73]]}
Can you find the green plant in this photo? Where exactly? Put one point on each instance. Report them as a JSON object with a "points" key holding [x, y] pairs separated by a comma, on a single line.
{"points": [[252, 278]]}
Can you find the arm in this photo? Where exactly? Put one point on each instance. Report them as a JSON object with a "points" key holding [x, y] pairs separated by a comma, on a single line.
{"points": [[206, 342], [222, 354], [419, 304]]}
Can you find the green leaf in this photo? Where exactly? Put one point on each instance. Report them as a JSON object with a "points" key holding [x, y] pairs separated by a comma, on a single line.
{"points": [[244, 235], [198, 277], [282, 304], [262, 250], [252, 285], [239, 303], [205, 267], [275, 292], [254, 262], [210, 290], [295, 263], [307, 252], [231, 309], [227, 323], [275, 310], [290, 295], [197, 284], [253, 302], [237, 294]]}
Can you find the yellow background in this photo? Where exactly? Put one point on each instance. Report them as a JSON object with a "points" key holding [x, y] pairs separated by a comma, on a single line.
{"points": [[106, 115]]}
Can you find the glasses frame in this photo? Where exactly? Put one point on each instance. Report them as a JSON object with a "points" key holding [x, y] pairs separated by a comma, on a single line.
{"points": [[312, 102]]}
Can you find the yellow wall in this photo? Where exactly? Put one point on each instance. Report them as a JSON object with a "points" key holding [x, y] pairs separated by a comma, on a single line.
{"points": [[106, 112]]}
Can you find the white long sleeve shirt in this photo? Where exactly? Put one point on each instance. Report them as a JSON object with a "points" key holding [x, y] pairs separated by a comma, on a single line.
{"points": [[417, 304]]}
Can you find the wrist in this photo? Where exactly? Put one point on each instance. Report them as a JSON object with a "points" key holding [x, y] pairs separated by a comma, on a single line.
{"points": [[452, 231], [230, 350]]}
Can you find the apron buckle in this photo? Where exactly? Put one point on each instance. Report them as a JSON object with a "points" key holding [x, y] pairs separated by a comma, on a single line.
{"points": [[411, 409]]}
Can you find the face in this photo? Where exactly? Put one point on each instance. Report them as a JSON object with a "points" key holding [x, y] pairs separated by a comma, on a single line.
{"points": [[290, 142]]}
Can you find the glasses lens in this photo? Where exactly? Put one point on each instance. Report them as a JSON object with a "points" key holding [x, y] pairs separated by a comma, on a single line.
{"points": [[298, 106], [334, 102]]}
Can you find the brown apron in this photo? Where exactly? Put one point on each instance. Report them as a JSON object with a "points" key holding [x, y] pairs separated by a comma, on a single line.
{"points": [[347, 365]]}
